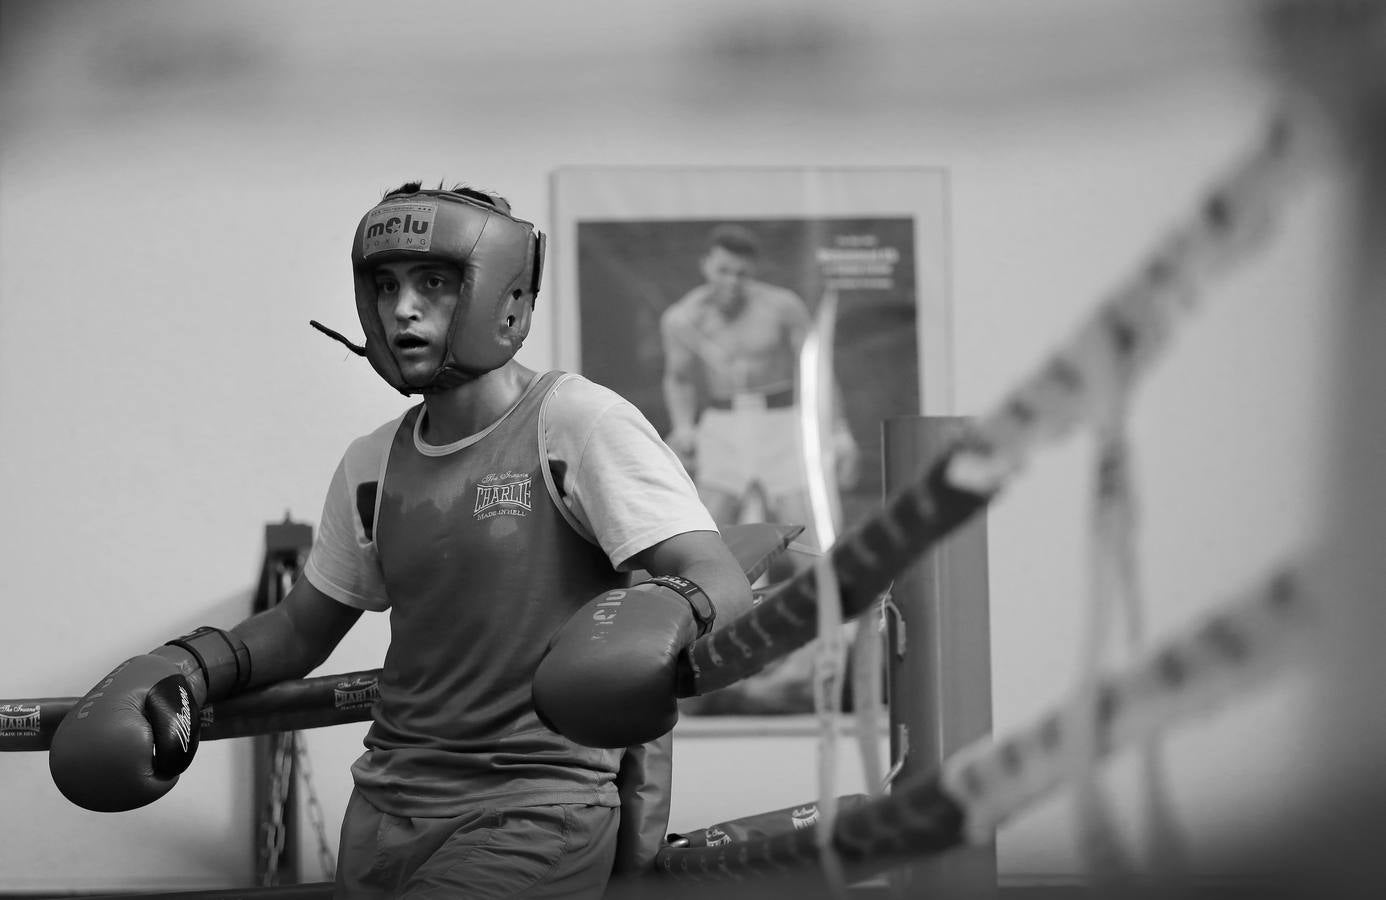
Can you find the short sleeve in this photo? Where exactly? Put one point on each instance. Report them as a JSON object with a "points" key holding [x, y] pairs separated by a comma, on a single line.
{"points": [[620, 482], [343, 563]]}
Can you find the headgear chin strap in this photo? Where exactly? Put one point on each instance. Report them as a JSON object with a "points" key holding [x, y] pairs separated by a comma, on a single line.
{"points": [[501, 259]]}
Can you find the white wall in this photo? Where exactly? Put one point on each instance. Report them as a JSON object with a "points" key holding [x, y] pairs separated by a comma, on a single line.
{"points": [[178, 184]]}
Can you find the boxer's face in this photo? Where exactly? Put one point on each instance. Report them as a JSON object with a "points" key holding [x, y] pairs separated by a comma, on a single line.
{"points": [[727, 273], [415, 301]]}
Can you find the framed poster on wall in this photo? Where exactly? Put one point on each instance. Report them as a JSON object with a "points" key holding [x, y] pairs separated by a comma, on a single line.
{"points": [[690, 292]]}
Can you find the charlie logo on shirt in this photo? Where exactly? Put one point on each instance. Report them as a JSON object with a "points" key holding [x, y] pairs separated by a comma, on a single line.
{"points": [[502, 494]]}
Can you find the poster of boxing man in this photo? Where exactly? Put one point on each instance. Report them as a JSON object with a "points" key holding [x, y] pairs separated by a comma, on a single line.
{"points": [[692, 293]]}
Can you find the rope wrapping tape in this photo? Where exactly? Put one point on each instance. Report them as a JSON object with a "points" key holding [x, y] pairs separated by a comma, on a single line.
{"points": [[866, 560], [286, 706]]}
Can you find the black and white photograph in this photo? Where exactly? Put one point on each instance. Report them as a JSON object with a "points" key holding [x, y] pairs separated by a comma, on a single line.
{"points": [[641, 448], [701, 322]]}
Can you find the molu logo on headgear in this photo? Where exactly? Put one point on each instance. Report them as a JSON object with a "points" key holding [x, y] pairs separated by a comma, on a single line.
{"points": [[399, 226]]}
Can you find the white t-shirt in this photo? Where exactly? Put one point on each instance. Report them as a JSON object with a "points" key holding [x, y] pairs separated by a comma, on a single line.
{"points": [[619, 486]]}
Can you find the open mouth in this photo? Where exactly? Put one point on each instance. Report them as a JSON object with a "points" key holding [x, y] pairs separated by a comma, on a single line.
{"points": [[407, 342]]}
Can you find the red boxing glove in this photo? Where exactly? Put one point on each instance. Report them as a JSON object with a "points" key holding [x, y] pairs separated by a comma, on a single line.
{"points": [[609, 678], [126, 742]]}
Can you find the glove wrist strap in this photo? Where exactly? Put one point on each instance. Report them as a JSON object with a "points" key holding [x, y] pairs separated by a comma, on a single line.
{"points": [[704, 613], [223, 657]]}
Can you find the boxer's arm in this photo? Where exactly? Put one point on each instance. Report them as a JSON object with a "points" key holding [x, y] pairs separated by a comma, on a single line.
{"points": [[610, 677], [703, 558], [295, 637], [680, 384], [131, 736], [286, 641]]}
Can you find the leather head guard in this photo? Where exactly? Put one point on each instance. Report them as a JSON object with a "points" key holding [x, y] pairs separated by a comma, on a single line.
{"points": [[501, 259]]}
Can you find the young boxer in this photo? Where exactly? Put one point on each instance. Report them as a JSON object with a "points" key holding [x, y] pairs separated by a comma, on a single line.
{"points": [[482, 519]]}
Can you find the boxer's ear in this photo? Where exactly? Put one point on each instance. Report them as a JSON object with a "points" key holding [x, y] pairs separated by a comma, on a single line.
{"points": [[516, 314]]}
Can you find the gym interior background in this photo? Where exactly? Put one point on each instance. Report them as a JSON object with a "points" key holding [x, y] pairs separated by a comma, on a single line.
{"points": [[178, 185]]}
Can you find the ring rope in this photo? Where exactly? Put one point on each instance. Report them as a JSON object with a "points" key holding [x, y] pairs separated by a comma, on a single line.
{"points": [[285, 706], [815, 418], [984, 784], [1111, 594], [1088, 381], [1236, 649], [1096, 368]]}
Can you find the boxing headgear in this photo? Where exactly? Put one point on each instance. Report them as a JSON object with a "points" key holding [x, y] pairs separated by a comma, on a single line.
{"points": [[501, 259]]}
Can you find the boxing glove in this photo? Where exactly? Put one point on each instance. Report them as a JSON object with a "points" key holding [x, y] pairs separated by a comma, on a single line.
{"points": [[609, 677], [126, 742]]}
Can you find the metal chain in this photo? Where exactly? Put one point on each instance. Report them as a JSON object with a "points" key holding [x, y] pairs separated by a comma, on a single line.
{"points": [[288, 747], [326, 858], [281, 764], [280, 779]]}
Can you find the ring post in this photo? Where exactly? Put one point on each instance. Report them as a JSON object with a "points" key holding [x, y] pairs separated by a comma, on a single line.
{"points": [[938, 671]]}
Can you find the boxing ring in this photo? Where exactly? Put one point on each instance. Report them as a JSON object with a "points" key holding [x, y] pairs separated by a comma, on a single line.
{"points": [[1087, 384], [979, 788]]}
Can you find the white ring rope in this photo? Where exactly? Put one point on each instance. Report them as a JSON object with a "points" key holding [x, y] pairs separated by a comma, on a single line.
{"points": [[815, 419], [1096, 369], [1089, 381], [1092, 372]]}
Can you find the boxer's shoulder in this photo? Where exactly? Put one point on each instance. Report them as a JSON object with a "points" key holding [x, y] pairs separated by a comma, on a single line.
{"points": [[578, 400], [366, 449], [685, 311]]}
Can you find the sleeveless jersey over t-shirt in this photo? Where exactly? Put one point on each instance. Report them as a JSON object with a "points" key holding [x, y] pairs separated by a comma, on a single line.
{"points": [[481, 569], [479, 550]]}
